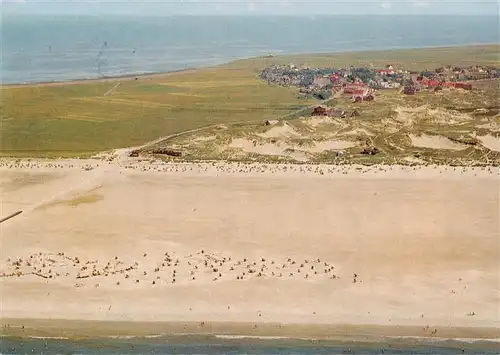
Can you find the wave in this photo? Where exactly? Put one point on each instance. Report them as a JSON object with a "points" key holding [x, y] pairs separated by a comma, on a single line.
{"points": [[124, 337], [441, 339], [128, 337], [262, 337]]}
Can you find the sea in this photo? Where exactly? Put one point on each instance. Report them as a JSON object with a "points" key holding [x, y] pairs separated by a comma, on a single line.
{"points": [[44, 48], [235, 346]]}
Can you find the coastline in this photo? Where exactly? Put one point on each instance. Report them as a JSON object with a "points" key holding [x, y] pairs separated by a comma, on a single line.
{"points": [[368, 333], [123, 77], [132, 76]]}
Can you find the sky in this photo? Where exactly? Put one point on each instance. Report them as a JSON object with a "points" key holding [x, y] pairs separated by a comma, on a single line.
{"points": [[251, 7]]}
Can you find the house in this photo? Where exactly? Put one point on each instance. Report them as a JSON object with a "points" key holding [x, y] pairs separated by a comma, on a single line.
{"points": [[389, 85], [331, 112], [430, 83], [477, 75], [354, 88], [385, 71], [270, 122], [361, 92], [364, 94], [320, 111], [334, 78], [447, 84], [359, 98]]}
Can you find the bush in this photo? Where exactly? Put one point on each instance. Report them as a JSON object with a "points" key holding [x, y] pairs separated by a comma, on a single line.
{"points": [[323, 94]]}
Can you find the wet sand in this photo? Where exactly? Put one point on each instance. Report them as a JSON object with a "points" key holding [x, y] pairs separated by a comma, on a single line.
{"points": [[61, 329], [130, 241]]}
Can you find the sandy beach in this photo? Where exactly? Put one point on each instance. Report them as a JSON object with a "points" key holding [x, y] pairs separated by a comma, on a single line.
{"points": [[232, 243]]}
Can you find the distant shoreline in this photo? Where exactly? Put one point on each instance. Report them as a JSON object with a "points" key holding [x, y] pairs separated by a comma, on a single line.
{"points": [[98, 79], [143, 75]]}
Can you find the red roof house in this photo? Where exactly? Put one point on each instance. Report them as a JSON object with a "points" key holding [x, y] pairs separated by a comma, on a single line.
{"points": [[385, 71], [433, 83], [430, 83], [352, 88], [334, 78]]}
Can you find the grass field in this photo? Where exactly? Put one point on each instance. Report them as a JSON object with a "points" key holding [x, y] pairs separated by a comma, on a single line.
{"points": [[78, 119], [81, 118]]}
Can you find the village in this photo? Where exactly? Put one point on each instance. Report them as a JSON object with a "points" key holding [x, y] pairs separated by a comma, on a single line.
{"points": [[362, 83]]}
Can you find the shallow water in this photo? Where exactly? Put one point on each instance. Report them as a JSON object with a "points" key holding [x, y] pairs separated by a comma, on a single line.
{"points": [[53, 48], [235, 346]]}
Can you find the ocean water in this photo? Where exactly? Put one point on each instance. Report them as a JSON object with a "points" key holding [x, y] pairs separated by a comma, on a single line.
{"points": [[229, 347], [46, 48]]}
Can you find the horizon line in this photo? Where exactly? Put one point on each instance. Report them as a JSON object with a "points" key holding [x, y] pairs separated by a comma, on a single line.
{"points": [[248, 15]]}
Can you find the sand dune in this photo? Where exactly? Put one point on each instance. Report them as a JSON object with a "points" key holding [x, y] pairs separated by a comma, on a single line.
{"points": [[298, 152], [491, 142], [435, 142]]}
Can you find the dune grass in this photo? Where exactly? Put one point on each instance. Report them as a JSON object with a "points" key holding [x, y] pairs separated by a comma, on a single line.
{"points": [[446, 120], [82, 118]]}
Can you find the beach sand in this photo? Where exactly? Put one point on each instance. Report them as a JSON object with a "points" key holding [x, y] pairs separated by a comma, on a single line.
{"points": [[413, 248]]}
